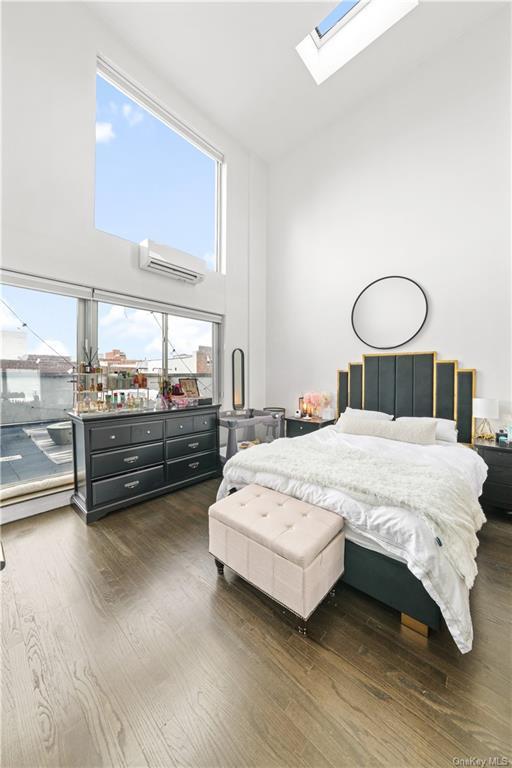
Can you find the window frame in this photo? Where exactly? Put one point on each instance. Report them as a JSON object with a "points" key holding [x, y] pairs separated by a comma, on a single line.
{"points": [[148, 102], [320, 40], [87, 316]]}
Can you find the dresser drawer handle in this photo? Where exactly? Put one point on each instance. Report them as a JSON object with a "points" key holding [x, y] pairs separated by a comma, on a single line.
{"points": [[112, 437], [130, 459], [148, 431], [133, 484], [301, 427], [193, 445], [181, 426], [194, 465]]}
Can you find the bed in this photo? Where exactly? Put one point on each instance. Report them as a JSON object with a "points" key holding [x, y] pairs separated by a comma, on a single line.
{"points": [[417, 581]]}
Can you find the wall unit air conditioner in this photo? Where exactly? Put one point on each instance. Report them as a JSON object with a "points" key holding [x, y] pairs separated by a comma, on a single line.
{"points": [[163, 260]]}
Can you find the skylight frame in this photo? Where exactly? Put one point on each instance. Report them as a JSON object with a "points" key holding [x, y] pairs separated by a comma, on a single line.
{"points": [[320, 40], [349, 40]]}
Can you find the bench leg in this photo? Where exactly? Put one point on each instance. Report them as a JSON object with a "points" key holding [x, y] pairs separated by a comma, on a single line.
{"points": [[220, 567], [414, 624], [303, 627]]}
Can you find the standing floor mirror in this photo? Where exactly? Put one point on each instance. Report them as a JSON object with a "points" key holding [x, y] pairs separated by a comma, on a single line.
{"points": [[238, 378]]}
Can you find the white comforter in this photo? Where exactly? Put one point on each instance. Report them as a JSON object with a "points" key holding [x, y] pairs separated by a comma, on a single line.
{"points": [[400, 531]]}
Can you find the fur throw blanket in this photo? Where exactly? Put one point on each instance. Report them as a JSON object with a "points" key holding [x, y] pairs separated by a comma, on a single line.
{"points": [[444, 499]]}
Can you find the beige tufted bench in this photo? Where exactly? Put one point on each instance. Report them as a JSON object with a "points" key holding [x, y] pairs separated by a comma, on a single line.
{"points": [[291, 550]]}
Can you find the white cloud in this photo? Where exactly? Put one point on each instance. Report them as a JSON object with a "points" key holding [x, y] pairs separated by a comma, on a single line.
{"points": [[50, 347], [8, 322], [187, 334], [104, 133], [132, 116]]}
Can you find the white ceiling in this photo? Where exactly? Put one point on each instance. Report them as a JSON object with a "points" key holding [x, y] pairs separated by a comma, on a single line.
{"points": [[237, 61]]}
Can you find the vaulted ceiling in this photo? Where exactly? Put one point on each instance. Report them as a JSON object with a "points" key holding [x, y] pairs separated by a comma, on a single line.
{"points": [[237, 61]]}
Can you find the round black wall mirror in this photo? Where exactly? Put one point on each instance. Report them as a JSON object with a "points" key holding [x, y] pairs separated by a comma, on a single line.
{"points": [[389, 312]]}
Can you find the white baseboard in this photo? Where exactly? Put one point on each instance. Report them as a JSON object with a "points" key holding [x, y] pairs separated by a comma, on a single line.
{"points": [[30, 507]]}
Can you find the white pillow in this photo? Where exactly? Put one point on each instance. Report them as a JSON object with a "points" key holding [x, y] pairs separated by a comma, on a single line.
{"points": [[369, 414], [418, 431], [446, 429]]}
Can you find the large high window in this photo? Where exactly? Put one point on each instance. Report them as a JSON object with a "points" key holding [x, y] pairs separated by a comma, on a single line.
{"points": [[38, 355], [151, 181]]}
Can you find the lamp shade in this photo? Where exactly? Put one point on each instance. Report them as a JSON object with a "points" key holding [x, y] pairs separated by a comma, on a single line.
{"points": [[485, 408]]}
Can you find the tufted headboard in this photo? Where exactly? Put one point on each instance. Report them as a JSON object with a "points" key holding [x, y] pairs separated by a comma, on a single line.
{"points": [[411, 384]]}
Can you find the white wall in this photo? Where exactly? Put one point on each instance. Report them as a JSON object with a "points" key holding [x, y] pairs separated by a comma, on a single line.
{"points": [[415, 181], [49, 67]]}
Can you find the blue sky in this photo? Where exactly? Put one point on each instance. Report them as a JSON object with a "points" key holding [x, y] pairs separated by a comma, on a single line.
{"points": [[150, 182], [335, 15]]}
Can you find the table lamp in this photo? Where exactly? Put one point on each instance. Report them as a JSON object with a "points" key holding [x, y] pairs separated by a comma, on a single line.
{"points": [[484, 409]]}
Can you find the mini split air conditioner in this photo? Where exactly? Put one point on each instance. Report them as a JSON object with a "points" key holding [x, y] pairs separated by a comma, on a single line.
{"points": [[164, 260]]}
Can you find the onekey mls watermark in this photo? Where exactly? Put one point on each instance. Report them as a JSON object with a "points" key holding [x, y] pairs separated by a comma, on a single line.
{"points": [[482, 762]]}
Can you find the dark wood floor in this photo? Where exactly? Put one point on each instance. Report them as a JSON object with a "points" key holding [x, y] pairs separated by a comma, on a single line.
{"points": [[122, 647]]}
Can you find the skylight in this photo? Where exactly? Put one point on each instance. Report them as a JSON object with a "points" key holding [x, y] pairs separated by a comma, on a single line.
{"points": [[335, 16], [351, 27]]}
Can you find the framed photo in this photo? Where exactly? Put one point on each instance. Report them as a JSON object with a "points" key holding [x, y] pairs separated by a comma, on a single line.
{"points": [[189, 386]]}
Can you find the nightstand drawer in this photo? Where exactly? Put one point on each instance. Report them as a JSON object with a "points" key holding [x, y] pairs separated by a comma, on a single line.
{"points": [[498, 474], [498, 495], [493, 457], [126, 486], [297, 428], [112, 462]]}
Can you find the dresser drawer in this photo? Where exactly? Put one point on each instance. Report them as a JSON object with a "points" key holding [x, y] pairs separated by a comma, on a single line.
{"points": [[296, 428], [183, 446], [147, 432], [112, 462], [125, 486], [184, 469], [205, 422], [110, 437], [179, 426]]}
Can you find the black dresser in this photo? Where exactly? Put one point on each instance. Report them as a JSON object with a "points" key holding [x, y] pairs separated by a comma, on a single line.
{"points": [[296, 426], [497, 490], [125, 458]]}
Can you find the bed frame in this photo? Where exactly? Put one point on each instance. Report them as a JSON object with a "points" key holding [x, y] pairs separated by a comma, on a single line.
{"points": [[404, 384]]}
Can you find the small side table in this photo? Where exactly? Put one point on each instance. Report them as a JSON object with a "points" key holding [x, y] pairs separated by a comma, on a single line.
{"points": [[497, 490], [296, 426]]}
